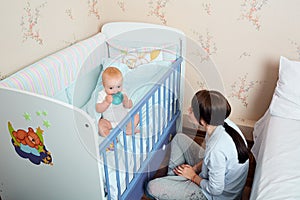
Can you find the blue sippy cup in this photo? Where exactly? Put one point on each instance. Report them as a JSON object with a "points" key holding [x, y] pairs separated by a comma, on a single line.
{"points": [[117, 98]]}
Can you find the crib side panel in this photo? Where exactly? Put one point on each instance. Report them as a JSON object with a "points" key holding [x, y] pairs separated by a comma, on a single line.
{"points": [[48, 149]]}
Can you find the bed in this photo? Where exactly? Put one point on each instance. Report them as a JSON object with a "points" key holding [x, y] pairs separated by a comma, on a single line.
{"points": [[49, 141], [276, 139]]}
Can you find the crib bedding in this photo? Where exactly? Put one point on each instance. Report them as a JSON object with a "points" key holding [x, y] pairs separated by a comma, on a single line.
{"points": [[51, 75], [67, 82], [276, 150]]}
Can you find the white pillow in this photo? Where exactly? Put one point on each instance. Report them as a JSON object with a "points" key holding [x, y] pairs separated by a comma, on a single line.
{"points": [[286, 99]]}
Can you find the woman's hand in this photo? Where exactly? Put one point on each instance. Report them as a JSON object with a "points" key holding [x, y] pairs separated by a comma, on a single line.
{"points": [[185, 170], [188, 172]]}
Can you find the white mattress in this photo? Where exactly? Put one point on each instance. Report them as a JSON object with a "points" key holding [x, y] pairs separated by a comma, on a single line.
{"points": [[277, 153]]}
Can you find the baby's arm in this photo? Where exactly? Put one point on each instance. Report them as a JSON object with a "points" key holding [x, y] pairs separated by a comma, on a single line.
{"points": [[102, 106], [127, 103]]}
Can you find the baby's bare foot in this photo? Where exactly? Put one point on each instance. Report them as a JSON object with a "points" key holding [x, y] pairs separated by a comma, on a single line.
{"points": [[129, 131]]}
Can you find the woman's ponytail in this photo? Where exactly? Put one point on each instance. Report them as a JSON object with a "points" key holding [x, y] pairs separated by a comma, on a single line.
{"points": [[242, 150]]}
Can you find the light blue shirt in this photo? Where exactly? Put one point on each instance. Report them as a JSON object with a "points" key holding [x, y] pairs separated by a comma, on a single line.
{"points": [[223, 176]]}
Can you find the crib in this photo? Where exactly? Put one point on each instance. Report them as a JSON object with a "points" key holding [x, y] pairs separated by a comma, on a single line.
{"points": [[49, 142]]}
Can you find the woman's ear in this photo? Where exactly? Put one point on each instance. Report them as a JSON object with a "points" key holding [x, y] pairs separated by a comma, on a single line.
{"points": [[192, 117], [202, 122]]}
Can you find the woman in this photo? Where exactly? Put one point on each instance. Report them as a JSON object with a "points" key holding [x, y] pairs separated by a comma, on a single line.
{"points": [[217, 172]]}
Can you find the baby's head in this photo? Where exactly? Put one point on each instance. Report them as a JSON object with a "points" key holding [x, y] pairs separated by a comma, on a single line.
{"points": [[112, 80]]}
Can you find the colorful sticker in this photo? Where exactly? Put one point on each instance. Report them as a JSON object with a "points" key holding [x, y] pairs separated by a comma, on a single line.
{"points": [[30, 145]]}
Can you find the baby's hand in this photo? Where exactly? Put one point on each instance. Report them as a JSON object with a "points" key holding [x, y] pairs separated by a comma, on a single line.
{"points": [[127, 103], [109, 99], [125, 98]]}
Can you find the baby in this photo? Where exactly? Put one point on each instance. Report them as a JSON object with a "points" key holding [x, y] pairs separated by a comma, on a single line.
{"points": [[112, 103]]}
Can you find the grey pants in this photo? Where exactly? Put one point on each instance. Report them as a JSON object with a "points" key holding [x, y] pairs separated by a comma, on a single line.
{"points": [[183, 150]]}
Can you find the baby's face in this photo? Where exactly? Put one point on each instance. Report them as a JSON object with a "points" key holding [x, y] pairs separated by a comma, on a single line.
{"points": [[113, 85]]}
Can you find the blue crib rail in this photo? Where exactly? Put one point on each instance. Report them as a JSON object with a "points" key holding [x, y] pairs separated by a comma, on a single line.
{"points": [[168, 89]]}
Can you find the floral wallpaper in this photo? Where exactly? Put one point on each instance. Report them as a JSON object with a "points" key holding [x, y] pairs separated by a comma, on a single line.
{"points": [[241, 39], [207, 43], [240, 89], [251, 11], [157, 9], [30, 22]]}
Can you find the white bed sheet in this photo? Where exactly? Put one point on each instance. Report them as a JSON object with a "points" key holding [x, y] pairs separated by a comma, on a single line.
{"points": [[277, 153]]}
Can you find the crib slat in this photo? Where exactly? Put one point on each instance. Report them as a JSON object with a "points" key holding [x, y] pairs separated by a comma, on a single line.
{"points": [[165, 111], [169, 100], [117, 167], [173, 93], [153, 120], [133, 147], [126, 158], [159, 112], [141, 137], [106, 174], [178, 82], [148, 128]]}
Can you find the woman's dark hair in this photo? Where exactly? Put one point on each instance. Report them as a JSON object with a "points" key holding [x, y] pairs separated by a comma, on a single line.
{"points": [[213, 108]]}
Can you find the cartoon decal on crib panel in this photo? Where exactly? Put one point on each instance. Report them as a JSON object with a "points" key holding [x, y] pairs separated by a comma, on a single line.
{"points": [[134, 57], [30, 144]]}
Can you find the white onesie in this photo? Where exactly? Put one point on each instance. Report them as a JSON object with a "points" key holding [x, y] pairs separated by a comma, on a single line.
{"points": [[114, 113]]}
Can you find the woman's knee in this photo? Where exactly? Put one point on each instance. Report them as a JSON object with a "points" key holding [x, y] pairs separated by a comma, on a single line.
{"points": [[181, 138], [152, 188]]}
